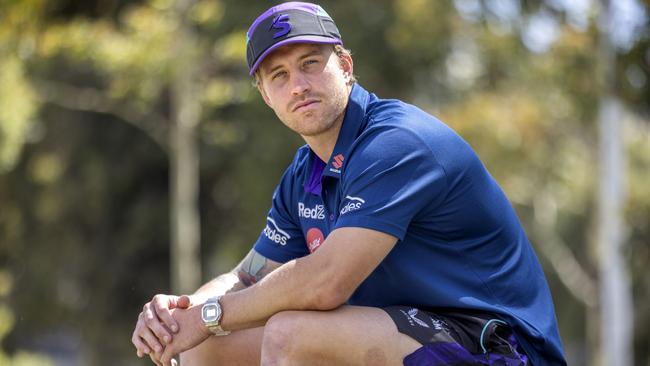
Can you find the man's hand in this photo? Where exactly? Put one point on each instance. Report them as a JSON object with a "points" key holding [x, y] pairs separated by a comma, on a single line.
{"points": [[155, 323], [192, 332]]}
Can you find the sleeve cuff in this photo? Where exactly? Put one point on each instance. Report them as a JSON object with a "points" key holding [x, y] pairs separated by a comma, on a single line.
{"points": [[373, 224], [274, 254]]}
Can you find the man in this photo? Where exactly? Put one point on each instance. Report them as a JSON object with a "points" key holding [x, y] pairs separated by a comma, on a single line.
{"points": [[387, 242]]}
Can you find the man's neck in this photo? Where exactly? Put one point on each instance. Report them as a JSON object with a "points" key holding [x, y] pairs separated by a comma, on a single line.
{"points": [[323, 144]]}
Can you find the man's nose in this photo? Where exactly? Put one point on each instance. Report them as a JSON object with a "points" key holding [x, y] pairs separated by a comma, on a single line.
{"points": [[299, 84]]}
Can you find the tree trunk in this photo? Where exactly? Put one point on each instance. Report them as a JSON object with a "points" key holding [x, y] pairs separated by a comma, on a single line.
{"points": [[186, 110], [615, 295]]}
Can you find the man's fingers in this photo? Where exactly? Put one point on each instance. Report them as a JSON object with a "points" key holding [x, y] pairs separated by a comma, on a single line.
{"points": [[162, 305], [140, 346], [155, 360], [167, 357], [137, 341], [156, 356], [151, 341], [152, 330], [151, 319]]}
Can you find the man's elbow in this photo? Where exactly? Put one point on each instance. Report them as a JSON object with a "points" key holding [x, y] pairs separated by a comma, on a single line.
{"points": [[330, 295]]}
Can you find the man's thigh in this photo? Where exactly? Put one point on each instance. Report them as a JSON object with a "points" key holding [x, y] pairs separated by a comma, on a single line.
{"points": [[349, 335]]}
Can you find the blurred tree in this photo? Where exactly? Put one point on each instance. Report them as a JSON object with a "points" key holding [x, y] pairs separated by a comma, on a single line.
{"points": [[186, 90], [7, 322], [122, 65], [616, 311], [17, 99]]}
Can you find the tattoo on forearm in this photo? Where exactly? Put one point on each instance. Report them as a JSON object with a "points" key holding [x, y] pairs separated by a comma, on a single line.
{"points": [[254, 267]]}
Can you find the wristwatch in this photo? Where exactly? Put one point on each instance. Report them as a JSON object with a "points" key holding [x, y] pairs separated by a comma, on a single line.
{"points": [[211, 315]]}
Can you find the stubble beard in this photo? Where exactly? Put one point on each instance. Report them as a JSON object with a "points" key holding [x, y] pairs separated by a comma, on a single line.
{"points": [[318, 124], [328, 118]]}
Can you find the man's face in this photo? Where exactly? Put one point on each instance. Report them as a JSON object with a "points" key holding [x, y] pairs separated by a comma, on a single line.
{"points": [[307, 85]]}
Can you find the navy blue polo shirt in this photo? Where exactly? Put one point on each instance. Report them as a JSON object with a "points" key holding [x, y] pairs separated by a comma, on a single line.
{"points": [[398, 170]]}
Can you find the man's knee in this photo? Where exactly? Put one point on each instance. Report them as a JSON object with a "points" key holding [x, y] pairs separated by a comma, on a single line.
{"points": [[282, 335], [199, 355], [241, 348]]}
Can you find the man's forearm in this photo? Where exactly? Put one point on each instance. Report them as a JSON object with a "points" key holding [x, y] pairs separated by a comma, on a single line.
{"points": [[322, 280], [296, 285], [248, 272], [227, 282]]}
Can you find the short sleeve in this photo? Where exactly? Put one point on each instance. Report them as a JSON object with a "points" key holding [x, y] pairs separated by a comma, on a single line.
{"points": [[390, 178], [282, 239]]}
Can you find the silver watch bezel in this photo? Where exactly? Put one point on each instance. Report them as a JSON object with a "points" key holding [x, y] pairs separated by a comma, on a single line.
{"points": [[213, 322]]}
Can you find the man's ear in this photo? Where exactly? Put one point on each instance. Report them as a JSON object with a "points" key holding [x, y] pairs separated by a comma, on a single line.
{"points": [[347, 65]]}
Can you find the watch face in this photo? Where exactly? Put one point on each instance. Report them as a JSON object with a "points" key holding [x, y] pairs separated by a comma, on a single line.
{"points": [[210, 312]]}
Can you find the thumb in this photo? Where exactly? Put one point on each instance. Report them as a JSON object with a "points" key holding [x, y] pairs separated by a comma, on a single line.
{"points": [[172, 302], [184, 302]]}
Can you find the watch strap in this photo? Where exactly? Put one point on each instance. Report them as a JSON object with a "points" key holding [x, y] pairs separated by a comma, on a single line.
{"points": [[215, 326]]}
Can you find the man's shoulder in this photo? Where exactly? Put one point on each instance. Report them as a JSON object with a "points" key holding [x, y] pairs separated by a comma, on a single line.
{"points": [[383, 110], [394, 114], [398, 128], [392, 119]]}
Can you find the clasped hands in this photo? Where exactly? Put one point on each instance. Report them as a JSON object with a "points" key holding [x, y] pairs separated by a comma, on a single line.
{"points": [[167, 326]]}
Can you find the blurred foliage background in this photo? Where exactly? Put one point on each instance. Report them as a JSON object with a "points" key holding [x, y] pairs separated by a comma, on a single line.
{"points": [[87, 92]]}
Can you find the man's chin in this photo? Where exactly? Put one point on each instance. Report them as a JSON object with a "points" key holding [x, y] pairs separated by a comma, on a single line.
{"points": [[312, 133]]}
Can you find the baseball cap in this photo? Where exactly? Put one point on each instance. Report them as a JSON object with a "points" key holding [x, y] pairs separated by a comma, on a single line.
{"points": [[291, 22]]}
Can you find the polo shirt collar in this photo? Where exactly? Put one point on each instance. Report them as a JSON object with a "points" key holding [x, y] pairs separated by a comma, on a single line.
{"points": [[354, 123]]}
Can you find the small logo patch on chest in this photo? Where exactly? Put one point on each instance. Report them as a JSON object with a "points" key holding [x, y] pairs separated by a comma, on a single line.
{"points": [[315, 238]]}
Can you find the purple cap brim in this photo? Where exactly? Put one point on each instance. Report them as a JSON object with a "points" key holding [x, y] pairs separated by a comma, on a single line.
{"points": [[297, 39]]}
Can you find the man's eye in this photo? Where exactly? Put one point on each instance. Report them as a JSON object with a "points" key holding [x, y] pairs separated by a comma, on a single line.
{"points": [[278, 75], [310, 62]]}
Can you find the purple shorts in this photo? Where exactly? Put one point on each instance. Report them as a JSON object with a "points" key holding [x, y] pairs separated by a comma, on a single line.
{"points": [[458, 338]]}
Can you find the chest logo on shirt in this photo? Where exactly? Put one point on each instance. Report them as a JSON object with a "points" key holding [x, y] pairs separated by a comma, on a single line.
{"points": [[274, 233], [315, 238], [317, 212], [354, 203], [337, 163]]}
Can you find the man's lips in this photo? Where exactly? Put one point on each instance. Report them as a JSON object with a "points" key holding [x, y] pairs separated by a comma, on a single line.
{"points": [[304, 104]]}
